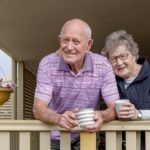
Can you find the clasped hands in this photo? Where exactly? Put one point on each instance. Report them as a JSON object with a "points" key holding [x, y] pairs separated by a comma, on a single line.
{"points": [[68, 120]]}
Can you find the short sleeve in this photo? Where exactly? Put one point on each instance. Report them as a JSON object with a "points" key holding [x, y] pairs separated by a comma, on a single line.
{"points": [[109, 88], [44, 86]]}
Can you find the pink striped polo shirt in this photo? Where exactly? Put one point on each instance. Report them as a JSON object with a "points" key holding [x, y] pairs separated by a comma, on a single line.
{"points": [[64, 90]]}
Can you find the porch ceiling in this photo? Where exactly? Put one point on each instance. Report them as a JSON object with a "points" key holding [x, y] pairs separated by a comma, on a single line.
{"points": [[29, 28]]}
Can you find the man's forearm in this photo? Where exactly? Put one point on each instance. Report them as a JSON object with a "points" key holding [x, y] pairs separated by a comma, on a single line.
{"points": [[108, 114], [46, 115], [50, 117]]}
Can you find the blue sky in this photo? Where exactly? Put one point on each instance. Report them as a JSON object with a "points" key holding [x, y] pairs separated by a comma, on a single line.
{"points": [[5, 65]]}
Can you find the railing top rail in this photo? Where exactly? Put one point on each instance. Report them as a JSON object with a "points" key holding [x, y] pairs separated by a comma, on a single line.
{"points": [[36, 125], [142, 125]]}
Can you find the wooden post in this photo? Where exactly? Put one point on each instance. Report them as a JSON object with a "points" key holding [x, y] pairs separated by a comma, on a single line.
{"points": [[87, 141]]}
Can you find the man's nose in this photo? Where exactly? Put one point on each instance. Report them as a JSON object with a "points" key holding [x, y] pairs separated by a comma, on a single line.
{"points": [[70, 45]]}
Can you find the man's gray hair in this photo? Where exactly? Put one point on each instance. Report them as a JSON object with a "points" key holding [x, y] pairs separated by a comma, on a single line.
{"points": [[88, 31]]}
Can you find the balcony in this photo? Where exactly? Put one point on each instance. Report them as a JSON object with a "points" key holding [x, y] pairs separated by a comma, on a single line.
{"points": [[18, 133]]}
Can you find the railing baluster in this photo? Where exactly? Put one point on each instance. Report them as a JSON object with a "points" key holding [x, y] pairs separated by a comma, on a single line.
{"points": [[45, 144], [24, 141], [14, 141], [119, 140], [87, 141], [131, 140], [113, 140], [5, 140], [147, 136], [65, 141], [138, 140]]}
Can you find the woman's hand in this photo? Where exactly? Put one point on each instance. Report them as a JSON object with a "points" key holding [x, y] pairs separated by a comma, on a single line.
{"points": [[128, 111]]}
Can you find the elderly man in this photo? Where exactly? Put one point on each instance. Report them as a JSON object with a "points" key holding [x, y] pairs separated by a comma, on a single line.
{"points": [[73, 78]]}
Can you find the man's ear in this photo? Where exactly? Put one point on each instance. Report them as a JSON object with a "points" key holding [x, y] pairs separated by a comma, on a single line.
{"points": [[90, 43], [59, 38]]}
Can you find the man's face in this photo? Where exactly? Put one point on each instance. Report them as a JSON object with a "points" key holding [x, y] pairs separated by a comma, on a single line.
{"points": [[74, 44], [123, 61]]}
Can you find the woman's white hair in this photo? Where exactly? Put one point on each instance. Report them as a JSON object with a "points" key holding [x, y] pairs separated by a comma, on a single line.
{"points": [[117, 38]]}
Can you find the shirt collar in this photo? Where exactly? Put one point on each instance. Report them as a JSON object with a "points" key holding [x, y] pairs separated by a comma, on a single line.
{"points": [[87, 66]]}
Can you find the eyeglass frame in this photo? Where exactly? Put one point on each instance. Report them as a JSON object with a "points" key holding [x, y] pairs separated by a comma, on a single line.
{"points": [[114, 60]]}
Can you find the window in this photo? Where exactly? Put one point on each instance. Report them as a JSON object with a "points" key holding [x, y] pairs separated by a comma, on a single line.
{"points": [[5, 66]]}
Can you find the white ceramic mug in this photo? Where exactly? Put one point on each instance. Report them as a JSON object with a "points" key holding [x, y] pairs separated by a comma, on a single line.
{"points": [[85, 117], [119, 104]]}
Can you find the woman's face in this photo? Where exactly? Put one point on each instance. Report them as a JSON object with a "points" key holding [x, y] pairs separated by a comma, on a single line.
{"points": [[123, 61]]}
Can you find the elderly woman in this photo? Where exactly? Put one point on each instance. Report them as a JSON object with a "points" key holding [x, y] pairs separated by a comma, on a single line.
{"points": [[132, 74]]}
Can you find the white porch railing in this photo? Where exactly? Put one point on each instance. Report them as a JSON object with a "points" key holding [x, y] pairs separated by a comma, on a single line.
{"points": [[113, 129]]}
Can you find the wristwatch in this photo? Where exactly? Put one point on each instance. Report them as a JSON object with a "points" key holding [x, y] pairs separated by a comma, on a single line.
{"points": [[139, 115]]}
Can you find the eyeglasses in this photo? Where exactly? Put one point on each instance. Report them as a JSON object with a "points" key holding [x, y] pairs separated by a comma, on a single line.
{"points": [[123, 56]]}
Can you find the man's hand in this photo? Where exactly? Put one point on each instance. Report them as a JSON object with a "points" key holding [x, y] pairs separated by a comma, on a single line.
{"points": [[102, 116], [68, 120], [98, 117]]}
